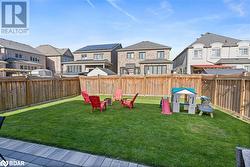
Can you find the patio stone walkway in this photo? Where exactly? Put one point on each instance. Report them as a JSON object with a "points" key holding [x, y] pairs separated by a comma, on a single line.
{"points": [[41, 155]]}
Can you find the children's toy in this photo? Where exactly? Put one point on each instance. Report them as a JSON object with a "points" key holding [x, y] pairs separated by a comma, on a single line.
{"points": [[165, 106], [190, 99], [205, 106]]}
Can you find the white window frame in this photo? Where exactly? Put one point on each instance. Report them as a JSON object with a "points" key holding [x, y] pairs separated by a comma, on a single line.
{"points": [[242, 50], [159, 55], [83, 56], [215, 51], [247, 68], [98, 56], [144, 55], [130, 55], [199, 54]]}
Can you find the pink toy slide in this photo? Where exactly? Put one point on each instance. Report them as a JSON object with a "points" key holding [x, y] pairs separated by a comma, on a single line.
{"points": [[165, 107]]}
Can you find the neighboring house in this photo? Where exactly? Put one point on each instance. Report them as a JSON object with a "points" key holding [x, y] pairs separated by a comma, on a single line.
{"points": [[2, 67], [92, 56], [19, 57], [55, 57], [144, 58], [101, 71], [209, 52]]}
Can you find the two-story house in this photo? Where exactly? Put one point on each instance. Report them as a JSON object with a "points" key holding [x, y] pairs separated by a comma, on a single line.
{"points": [[92, 56], [212, 51], [55, 57], [144, 58], [19, 57]]}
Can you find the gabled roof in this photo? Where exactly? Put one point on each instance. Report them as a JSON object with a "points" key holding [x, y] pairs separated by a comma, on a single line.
{"points": [[102, 47], [49, 50], [233, 61], [144, 45], [183, 90], [108, 71], [18, 46], [223, 71], [209, 38]]}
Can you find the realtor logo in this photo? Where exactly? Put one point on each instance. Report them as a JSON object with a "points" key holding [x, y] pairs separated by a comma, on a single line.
{"points": [[14, 17]]}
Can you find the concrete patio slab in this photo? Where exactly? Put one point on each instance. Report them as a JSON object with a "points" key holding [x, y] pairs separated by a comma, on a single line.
{"points": [[37, 155]]}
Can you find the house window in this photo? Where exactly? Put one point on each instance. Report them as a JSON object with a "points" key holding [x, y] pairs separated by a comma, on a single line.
{"points": [[155, 69], [98, 56], [20, 56], [247, 68], [243, 51], [16, 55], [160, 55], [142, 55], [197, 53], [21, 66], [216, 53], [31, 59], [130, 55], [83, 56], [74, 69]]}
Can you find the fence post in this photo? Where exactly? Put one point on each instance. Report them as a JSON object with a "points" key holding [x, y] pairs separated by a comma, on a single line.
{"points": [[98, 79], [144, 85], [28, 89], [215, 90], [242, 96]]}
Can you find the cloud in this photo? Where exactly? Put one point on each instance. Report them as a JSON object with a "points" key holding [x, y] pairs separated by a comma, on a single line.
{"points": [[90, 3], [236, 6], [163, 10], [114, 4]]}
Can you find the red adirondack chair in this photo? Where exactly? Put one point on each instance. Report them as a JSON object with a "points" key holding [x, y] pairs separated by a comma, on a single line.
{"points": [[118, 95], [85, 96], [129, 103], [96, 103]]}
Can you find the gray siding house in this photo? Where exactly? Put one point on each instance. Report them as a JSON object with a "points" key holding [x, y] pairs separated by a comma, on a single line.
{"points": [[55, 57], [212, 51], [19, 58], [92, 56], [144, 58]]}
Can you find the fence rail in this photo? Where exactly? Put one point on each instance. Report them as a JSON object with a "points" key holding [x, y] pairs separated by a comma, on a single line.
{"points": [[144, 85], [21, 91], [230, 92]]}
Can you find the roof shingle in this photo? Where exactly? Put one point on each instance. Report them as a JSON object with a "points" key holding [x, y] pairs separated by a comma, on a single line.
{"points": [[144, 45], [209, 38], [233, 61], [103, 47], [18, 46]]}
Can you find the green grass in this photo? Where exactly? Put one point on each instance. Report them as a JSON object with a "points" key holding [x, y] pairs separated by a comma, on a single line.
{"points": [[141, 135]]}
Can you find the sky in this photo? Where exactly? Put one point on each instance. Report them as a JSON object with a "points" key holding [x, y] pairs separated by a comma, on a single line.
{"points": [[175, 23]]}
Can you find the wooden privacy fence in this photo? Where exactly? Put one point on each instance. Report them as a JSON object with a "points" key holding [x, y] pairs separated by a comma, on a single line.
{"points": [[144, 85], [21, 91], [231, 93]]}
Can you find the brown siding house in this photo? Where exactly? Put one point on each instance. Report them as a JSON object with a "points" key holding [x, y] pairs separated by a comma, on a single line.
{"points": [[144, 58]]}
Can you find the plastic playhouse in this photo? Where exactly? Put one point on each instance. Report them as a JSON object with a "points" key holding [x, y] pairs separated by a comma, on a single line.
{"points": [[189, 95]]}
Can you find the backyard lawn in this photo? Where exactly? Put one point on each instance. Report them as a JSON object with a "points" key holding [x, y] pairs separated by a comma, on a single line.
{"points": [[141, 135]]}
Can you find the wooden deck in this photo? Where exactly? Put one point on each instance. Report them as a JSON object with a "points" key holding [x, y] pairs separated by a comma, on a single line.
{"points": [[42, 155]]}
